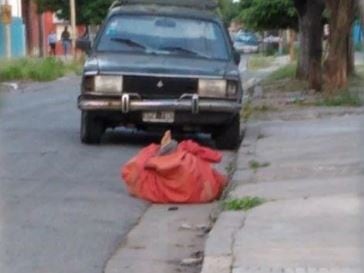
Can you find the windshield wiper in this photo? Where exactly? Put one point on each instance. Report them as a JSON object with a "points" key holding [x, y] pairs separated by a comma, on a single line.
{"points": [[129, 42], [184, 50]]}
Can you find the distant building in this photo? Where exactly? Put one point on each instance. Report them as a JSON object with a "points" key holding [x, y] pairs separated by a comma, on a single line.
{"points": [[38, 26], [30, 30], [52, 22], [17, 30]]}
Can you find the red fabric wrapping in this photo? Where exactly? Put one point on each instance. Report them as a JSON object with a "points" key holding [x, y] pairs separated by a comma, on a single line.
{"points": [[185, 176]]}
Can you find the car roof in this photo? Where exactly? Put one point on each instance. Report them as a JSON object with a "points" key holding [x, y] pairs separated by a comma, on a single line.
{"points": [[164, 10]]}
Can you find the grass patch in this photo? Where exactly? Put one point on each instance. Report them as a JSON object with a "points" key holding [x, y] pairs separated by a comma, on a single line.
{"points": [[47, 69], [357, 80], [245, 204], [286, 72], [230, 168], [345, 98], [255, 165], [259, 61], [284, 80], [247, 111], [75, 67], [359, 71], [351, 96], [264, 108], [284, 85]]}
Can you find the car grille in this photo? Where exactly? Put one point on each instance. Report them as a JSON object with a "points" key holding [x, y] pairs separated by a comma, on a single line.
{"points": [[159, 87]]}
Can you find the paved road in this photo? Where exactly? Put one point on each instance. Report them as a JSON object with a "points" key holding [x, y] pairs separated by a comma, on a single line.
{"points": [[62, 206]]}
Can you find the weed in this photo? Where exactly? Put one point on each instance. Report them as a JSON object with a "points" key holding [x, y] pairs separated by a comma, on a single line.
{"points": [[245, 204], [270, 52], [345, 98], [259, 62], [247, 111], [285, 72], [230, 168], [359, 71], [47, 69], [264, 108], [75, 67], [255, 165]]}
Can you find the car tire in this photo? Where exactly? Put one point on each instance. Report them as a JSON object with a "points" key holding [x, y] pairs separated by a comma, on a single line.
{"points": [[228, 137], [92, 128]]}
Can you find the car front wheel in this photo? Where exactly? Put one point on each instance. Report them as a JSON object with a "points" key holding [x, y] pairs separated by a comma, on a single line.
{"points": [[92, 128], [228, 136]]}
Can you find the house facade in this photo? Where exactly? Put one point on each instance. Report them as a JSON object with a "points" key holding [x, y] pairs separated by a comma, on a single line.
{"points": [[17, 31], [39, 26], [29, 30]]}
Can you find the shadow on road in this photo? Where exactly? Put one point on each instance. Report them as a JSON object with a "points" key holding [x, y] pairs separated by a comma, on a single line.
{"points": [[143, 138]]}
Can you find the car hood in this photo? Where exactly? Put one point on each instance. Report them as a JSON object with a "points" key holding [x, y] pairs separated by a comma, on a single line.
{"points": [[156, 64]]}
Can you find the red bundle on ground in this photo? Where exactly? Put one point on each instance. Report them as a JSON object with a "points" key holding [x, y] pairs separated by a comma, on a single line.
{"points": [[182, 176]]}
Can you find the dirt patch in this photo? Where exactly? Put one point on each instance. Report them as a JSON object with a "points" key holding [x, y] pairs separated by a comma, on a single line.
{"points": [[290, 99]]}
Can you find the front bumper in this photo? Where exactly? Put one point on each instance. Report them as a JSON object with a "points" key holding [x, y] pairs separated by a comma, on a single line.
{"points": [[133, 103]]}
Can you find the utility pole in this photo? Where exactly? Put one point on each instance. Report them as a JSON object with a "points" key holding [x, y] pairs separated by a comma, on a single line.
{"points": [[6, 20], [73, 25], [7, 41]]}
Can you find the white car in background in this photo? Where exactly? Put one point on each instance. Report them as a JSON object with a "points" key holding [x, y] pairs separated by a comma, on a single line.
{"points": [[246, 42], [272, 39], [243, 47]]}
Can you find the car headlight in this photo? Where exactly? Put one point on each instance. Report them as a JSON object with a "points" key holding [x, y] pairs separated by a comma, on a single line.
{"points": [[232, 89], [109, 84], [212, 88], [218, 88], [103, 84]]}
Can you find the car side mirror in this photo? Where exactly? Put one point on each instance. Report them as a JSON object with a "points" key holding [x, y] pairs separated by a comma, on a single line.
{"points": [[237, 57], [83, 44]]}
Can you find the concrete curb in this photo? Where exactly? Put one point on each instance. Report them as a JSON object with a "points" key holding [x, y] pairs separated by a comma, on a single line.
{"points": [[219, 256], [219, 245]]}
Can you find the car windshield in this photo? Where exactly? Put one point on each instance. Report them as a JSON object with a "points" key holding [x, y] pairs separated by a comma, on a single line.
{"points": [[164, 36]]}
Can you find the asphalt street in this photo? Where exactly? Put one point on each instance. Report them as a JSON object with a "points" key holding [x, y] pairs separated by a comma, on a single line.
{"points": [[63, 207]]}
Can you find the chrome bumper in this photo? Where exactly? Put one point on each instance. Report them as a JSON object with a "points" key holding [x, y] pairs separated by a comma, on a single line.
{"points": [[132, 103]]}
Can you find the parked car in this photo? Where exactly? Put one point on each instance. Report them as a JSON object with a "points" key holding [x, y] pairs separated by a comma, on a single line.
{"points": [[159, 65], [246, 47], [272, 39], [246, 42]]}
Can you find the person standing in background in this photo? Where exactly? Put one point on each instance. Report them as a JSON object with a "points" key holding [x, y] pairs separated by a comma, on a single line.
{"points": [[66, 40], [52, 40]]}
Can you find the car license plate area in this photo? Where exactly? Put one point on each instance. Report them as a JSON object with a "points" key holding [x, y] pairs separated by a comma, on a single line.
{"points": [[158, 117]]}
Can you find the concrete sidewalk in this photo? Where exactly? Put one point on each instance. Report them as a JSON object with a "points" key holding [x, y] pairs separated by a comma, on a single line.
{"points": [[311, 220]]}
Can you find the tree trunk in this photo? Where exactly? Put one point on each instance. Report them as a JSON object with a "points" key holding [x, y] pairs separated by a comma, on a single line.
{"points": [[41, 35], [311, 33], [27, 21], [303, 57], [361, 8], [340, 58]]}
